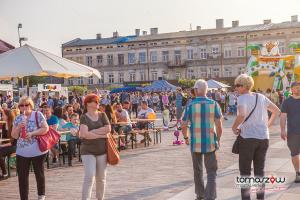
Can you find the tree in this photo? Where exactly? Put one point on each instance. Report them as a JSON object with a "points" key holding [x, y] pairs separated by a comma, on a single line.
{"points": [[78, 89], [187, 82]]}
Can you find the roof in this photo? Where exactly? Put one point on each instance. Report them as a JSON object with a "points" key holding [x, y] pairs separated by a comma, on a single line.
{"points": [[4, 46], [181, 34], [103, 41]]}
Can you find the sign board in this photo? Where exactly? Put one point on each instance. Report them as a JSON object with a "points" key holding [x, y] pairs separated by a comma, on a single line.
{"points": [[6, 87], [49, 87]]}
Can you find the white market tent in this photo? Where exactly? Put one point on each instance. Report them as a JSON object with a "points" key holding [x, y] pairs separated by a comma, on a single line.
{"points": [[30, 61], [212, 84]]}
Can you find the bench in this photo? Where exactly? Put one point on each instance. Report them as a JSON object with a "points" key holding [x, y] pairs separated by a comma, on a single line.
{"points": [[136, 132]]}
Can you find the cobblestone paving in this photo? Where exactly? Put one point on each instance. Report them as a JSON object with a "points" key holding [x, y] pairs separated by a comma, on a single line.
{"points": [[154, 173]]}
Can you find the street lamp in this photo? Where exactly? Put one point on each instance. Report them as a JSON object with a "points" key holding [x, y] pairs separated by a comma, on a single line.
{"points": [[20, 42], [21, 38]]}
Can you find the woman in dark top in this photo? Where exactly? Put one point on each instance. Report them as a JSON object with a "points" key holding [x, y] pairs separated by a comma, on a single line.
{"points": [[6, 149], [94, 129]]}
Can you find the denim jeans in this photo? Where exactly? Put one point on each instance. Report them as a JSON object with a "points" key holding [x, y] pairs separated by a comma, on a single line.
{"points": [[255, 150], [210, 161]]}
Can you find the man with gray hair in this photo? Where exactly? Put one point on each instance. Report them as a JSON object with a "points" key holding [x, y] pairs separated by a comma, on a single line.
{"points": [[204, 116]]}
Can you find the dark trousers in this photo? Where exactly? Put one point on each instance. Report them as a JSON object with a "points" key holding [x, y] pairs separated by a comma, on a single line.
{"points": [[252, 150], [210, 161], [23, 166], [71, 149], [135, 109], [5, 151]]}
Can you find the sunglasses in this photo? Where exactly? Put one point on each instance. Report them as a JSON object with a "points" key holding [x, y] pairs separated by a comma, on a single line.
{"points": [[238, 85], [24, 105], [97, 102]]}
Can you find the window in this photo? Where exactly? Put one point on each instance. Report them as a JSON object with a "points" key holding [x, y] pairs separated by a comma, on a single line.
{"points": [[177, 57], [80, 81], [216, 72], [165, 56], [154, 75], [227, 53], [111, 78], [153, 56], [99, 59], [90, 80], [228, 72], [281, 48], [121, 59], [241, 52], [215, 51], [190, 74], [142, 76], [132, 76], [203, 72], [203, 54], [121, 77], [131, 58], [178, 75], [142, 57], [89, 60], [70, 81], [110, 59], [190, 55]]}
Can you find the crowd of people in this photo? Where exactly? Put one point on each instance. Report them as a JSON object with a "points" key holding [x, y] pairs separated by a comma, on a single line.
{"points": [[88, 119]]}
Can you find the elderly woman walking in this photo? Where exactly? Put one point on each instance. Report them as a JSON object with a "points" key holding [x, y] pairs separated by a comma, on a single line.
{"points": [[33, 123], [252, 124]]}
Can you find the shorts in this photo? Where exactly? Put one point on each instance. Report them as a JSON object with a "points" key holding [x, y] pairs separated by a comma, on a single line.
{"points": [[293, 142], [232, 109]]}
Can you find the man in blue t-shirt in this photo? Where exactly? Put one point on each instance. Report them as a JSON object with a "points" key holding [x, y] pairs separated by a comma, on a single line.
{"points": [[290, 113]]}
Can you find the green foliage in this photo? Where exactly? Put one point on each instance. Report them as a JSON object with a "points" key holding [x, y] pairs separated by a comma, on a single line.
{"points": [[294, 45], [78, 89], [253, 47], [34, 80], [187, 82], [111, 87]]}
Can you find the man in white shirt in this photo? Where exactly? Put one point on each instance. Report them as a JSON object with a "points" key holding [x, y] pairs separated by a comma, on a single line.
{"points": [[125, 123], [143, 114]]}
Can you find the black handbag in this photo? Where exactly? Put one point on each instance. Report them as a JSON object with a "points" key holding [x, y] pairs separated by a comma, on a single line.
{"points": [[236, 144]]}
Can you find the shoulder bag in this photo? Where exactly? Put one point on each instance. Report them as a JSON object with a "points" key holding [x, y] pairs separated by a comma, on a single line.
{"points": [[236, 147], [113, 155], [48, 140]]}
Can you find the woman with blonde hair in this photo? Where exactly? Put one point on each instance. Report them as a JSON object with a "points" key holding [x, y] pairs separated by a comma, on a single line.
{"points": [[26, 127], [252, 125]]}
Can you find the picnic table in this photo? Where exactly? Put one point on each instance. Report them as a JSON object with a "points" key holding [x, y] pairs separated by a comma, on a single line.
{"points": [[2, 140]]}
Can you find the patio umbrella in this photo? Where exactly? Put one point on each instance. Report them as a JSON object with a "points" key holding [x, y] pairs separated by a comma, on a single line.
{"points": [[216, 84], [30, 61], [4, 46]]}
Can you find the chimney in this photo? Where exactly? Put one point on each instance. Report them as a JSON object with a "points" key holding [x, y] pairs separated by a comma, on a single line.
{"points": [[294, 18], [219, 23], [144, 32], [137, 32], [267, 21], [98, 36], [115, 34], [235, 23], [198, 28], [153, 31]]}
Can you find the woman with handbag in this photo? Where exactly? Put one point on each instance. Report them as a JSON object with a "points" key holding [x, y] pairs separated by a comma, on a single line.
{"points": [[94, 131], [26, 127], [252, 125]]}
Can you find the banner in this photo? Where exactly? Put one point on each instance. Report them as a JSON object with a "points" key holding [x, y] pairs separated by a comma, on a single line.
{"points": [[49, 87]]}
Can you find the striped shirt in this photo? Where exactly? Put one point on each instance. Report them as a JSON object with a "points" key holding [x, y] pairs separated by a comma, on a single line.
{"points": [[202, 113]]}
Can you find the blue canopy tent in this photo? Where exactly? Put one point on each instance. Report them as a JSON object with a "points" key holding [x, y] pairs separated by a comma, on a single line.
{"points": [[160, 86], [216, 84], [126, 89]]}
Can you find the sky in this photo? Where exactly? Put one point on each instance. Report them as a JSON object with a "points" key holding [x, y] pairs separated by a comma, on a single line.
{"points": [[49, 23]]}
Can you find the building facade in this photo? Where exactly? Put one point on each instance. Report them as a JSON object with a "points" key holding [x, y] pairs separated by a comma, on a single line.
{"points": [[201, 53]]}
